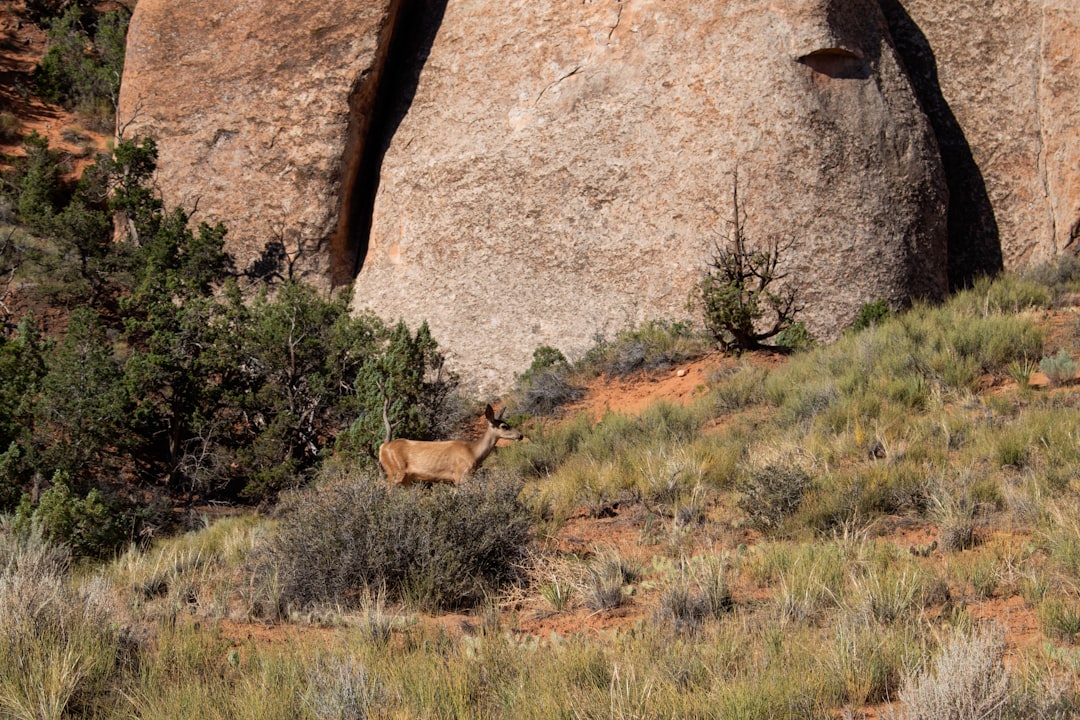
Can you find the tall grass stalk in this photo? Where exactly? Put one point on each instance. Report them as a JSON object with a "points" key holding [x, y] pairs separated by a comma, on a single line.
{"points": [[868, 660], [58, 644], [813, 584], [888, 595]]}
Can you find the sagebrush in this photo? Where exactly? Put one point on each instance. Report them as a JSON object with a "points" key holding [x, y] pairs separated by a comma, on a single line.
{"points": [[442, 547]]}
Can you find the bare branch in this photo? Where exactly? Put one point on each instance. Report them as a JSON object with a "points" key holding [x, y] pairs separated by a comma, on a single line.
{"points": [[121, 126], [737, 292]]}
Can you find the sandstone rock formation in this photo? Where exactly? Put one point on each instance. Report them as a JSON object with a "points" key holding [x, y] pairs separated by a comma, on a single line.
{"points": [[259, 109], [999, 80], [565, 168], [523, 173]]}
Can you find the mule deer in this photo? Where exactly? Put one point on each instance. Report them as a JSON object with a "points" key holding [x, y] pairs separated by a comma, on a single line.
{"points": [[409, 461]]}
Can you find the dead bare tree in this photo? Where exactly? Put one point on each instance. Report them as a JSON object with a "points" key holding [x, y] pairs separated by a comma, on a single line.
{"points": [[743, 292]]}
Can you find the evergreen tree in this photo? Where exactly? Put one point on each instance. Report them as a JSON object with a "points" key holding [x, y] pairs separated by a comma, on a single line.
{"points": [[22, 367], [406, 382], [168, 315], [127, 173], [37, 184], [300, 352], [82, 412], [82, 66]]}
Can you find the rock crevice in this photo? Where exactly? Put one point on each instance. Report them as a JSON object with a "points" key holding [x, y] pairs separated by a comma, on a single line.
{"points": [[524, 173], [381, 98], [260, 112]]}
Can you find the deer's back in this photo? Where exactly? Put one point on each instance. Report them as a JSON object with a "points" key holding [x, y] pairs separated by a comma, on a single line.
{"points": [[408, 461]]}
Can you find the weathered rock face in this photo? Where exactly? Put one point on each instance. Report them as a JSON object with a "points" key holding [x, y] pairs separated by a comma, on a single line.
{"points": [[259, 109], [565, 168], [549, 170], [998, 79]]}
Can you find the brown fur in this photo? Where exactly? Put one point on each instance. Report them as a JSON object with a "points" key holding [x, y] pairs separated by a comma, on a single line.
{"points": [[409, 461]]}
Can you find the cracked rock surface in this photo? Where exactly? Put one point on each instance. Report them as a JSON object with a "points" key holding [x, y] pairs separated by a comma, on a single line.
{"points": [[525, 173], [565, 168]]}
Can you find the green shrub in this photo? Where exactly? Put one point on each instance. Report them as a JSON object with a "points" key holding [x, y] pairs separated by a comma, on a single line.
{"points": [[439, 548], [871, 314], [546, 386], [165, 367], [1004, 294], [83, 61], [993, 342], [795, 337], [10, 127], [10, 477], [1060, 275], [92, 526], [546, 357], [1060, 368]]}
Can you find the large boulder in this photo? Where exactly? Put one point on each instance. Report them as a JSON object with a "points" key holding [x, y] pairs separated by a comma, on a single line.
{"points": [[564, 169], [529, 172], [260, 110], [998, 79]]}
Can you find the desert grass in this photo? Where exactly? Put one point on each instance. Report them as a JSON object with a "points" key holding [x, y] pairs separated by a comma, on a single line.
{"points": [[810, 608], [697, 591], [186, 574], [705, 652], [59, 641]]}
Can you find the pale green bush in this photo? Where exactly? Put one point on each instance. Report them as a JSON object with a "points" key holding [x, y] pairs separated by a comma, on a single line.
{"points": [[58, 644]]}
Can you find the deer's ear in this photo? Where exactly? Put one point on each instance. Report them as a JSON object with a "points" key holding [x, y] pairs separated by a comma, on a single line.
{"points": [[502, 411], [489, 414]]}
